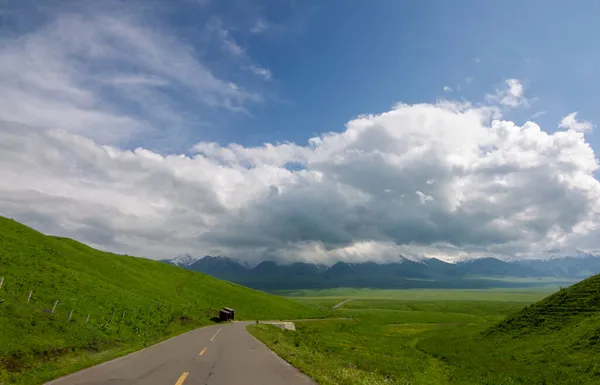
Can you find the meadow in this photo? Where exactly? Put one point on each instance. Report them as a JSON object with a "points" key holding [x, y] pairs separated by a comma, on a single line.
{"points": [[325, 296], [435, 337]]}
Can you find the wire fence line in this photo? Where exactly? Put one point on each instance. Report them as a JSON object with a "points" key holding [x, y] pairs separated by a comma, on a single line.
{"points": [[107, 314]]}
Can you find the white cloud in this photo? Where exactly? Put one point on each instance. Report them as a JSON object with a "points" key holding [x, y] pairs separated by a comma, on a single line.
{"points": [[570, 122], [231, 46], [512, 95], [79, 71], [477, 60], [437, 180], [447, 89], [228, 43], [423, 198], [262, 72], [136, 79], [260, 26], [538, 114]]}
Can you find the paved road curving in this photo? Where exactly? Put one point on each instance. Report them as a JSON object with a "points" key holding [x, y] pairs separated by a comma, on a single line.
{"points": [[215, 355]]}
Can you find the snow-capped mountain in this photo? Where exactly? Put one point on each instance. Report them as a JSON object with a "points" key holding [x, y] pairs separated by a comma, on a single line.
{"points": [[400, 273], [183, 260]]}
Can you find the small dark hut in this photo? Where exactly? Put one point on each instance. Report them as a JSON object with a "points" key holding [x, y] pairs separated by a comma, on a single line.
{"points": [[226, 314]]}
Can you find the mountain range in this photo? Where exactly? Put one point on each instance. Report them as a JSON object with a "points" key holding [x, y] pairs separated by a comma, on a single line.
{"points": [[404, 273]]}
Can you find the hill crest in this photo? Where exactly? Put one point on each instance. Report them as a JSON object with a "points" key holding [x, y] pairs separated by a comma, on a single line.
{"points": [[560, 310]]}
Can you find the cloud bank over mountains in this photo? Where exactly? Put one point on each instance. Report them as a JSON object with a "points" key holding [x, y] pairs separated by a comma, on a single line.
{"points": [[426, 179]]}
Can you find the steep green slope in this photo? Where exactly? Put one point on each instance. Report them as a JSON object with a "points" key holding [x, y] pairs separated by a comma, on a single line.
{"points": [[131, 302], [553, 341], [564, 309]]}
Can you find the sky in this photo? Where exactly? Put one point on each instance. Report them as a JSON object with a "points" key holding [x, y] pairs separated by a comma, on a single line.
{"points": [[318, 131]]}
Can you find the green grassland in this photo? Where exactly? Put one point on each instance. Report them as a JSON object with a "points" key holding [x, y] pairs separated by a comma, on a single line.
{"points": [[448, 337], [525, 295], [131, 303], [318, 302]]}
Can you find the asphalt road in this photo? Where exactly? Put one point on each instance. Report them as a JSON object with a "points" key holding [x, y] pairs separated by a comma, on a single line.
{"points": [[215, 355]]}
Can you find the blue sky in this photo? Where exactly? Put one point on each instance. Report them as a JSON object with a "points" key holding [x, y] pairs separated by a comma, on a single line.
{"points": [[274, 129], [334, 60], [331, 61], [359, 58]]}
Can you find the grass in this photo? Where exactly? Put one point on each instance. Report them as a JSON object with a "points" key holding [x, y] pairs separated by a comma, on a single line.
{"points": [[321, 303], [566, 308], [131, 303], [539, 281], [448, 337], [525, 295]]}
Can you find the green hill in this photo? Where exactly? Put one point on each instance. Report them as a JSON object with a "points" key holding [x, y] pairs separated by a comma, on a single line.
{"points": [[558, 336], [119, 304], [553, 341], [567, 308]]}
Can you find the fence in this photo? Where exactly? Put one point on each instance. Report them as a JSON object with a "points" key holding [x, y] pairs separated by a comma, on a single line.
{"points": [[104, 316]]}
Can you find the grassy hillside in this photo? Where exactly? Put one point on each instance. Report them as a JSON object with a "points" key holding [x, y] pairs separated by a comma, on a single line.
{"points": [[131, 302], [564, 309], [474, 339], [553, 341]]}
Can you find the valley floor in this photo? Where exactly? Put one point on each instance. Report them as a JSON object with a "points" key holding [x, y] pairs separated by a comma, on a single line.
{"points": [[411, 337]]}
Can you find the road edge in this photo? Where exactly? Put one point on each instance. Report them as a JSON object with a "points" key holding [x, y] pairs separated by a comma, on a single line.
{"points": [[126, 354]]}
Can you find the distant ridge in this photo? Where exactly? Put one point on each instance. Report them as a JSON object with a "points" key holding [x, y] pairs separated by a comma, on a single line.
{"points": [[403, 273]]}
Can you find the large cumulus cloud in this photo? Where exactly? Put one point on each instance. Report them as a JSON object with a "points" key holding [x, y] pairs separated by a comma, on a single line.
{"points": [[429, 179]]}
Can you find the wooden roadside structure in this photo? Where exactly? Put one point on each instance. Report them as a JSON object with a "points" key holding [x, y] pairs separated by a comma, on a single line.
{"points": [[226, 314]]}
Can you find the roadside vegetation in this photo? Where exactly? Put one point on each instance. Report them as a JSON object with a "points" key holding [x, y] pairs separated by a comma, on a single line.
{"points": [[119, 304], [464, 337]]}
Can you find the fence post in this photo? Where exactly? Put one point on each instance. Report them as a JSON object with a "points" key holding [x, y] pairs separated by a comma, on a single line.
{"points": [[1, 282], [54, 306], [87, 319], [70, 314], [29, 296]]}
